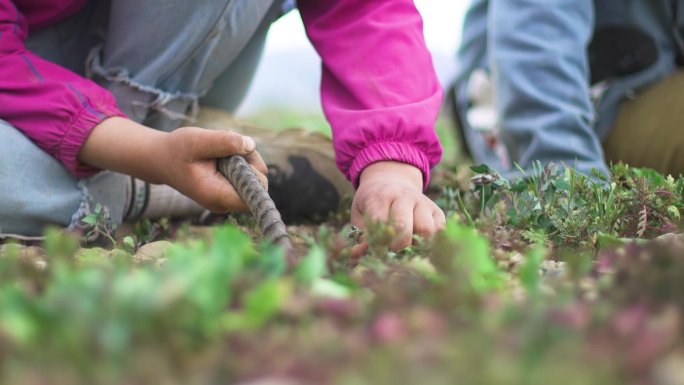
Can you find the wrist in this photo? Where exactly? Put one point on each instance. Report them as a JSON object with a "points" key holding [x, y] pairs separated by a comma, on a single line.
{"points": [[386, 171], [124, 146]]}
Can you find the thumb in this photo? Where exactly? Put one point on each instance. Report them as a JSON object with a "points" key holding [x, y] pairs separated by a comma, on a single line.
{"points": [[209, 144]]}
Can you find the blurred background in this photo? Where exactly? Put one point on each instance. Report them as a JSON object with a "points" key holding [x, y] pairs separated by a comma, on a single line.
{"points": [[287, 81]]}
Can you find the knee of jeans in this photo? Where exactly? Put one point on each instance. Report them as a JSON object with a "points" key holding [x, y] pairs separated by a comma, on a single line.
{"points": [[137, 99], [27, 219]]}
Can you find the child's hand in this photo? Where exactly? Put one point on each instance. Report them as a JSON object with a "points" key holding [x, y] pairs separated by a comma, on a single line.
{"points": [[184, 159], [393, 191], [188, 156]]}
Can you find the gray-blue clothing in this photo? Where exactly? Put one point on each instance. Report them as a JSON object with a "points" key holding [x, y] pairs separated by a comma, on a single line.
{"points": [[537, 54]]}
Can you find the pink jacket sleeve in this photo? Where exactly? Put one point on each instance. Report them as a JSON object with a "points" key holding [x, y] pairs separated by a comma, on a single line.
{"points": [[379, 89], [52, 106]]}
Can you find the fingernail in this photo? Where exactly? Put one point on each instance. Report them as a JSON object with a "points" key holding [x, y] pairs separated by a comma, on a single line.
{"points": [[248, 144]]}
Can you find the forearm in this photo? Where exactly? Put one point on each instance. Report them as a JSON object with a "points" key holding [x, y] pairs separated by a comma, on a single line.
{"points": [[122, 145], [184, 159], [379, 89]]}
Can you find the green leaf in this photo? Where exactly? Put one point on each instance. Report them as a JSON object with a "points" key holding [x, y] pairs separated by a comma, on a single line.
{"points": [[313, 266], [481, 169], [16, 319], [327, 288], [537, 206], [230, 250], [90, 219], [115, 336], [650, 174], [674, 212], [529, 270], [264, 301], [60, 245], [472, 258], [608, 241], [424, 267], [93, 257], [129, 242], [272, 261], [346, 281]]}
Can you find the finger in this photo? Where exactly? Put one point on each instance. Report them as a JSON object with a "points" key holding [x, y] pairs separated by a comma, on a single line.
{"points": [[358, 251], [376, 210], [401, 218], [438, 218], [218, 195], [423, 221], [208, 144], [228, 199], [356, 216], [255, 159], [263, 180]]}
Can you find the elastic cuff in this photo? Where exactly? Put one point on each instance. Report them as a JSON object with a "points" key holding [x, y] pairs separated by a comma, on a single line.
{"points": [[81, 127], [394, 151]]}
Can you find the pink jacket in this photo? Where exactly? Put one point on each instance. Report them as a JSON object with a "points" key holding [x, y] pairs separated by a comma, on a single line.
{"points": [[379, 89]]}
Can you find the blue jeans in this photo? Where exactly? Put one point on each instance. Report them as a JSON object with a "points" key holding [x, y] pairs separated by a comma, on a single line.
{"points": [[536, 53], [202, 51]]}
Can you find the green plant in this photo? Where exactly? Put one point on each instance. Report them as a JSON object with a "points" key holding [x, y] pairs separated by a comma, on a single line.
{"points": [[550, 279], [100, 223]]}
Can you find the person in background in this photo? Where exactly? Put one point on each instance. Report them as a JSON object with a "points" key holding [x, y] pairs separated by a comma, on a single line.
{"points": [[87, 86], [577, 82]]}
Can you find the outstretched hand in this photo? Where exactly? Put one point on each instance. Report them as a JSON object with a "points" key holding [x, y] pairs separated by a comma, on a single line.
{"points": [[393, 192], [184, 159]]}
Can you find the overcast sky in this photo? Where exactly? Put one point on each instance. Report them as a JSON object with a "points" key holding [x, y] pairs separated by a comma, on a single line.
{"points": [[294, 85], [442, 23]]}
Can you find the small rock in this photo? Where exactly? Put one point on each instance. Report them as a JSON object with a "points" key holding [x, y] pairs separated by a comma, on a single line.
{"points": [[151, 252], [512, 264], [552, 269], [11, 249], [95, 256], [670, 371], [34, 254], [671, 238]]}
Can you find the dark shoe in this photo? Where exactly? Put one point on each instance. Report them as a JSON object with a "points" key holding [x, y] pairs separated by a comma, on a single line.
{"points": [[618, 51], [303, 179]]}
